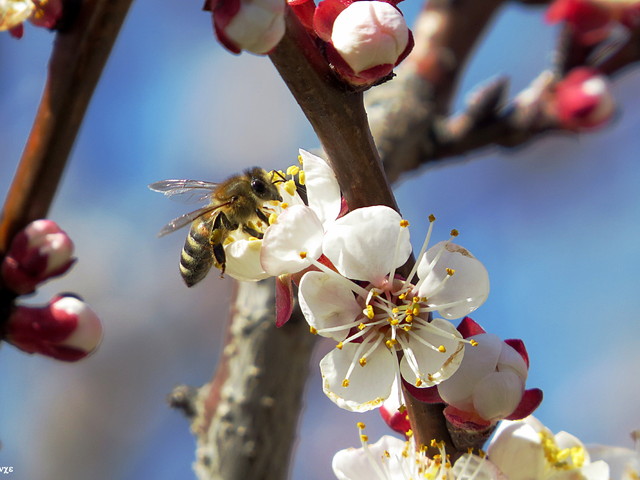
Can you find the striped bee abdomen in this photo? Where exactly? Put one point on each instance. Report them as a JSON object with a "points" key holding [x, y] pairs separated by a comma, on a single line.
{"points": [[196, 258]]}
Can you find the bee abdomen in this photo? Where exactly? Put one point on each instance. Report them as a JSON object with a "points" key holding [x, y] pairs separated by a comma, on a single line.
{"points": [[196, 258]]}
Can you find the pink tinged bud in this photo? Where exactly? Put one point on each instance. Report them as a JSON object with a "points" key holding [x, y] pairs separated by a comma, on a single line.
{"points": [[39, 252], [590, 23], [66, 329], [304, 10], [14, 12], [583, 99], [252, 25], [366, 39], [398, 420], [284, 299]]}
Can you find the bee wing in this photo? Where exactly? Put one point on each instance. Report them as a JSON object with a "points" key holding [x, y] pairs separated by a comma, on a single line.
{"points": [[186, 191], [186, 219]]}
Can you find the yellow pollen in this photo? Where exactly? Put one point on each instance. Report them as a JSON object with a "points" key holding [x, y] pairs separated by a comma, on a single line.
{"points": [[454, 233], [415, 299], [406, 328], [339, 345], [408, 318], [362, 361], [415, 311], [394, 321], [473, 343], [284, 205], [293, 170], [364, 438], [402, 296], [418, 382], [302, 178], [361, 425], [432, 218], [273, 218], [290, 187], [362, 326], [369, 312], [450, 271], [386, 454], [409, 433], [395, 310], [392, 342], [442, 349], [313, 330], [404, 223], [303, 255], [300, 161], [345, 382]]}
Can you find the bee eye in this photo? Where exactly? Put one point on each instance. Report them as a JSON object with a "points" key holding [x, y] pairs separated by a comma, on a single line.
{"points": [[258, 186]]}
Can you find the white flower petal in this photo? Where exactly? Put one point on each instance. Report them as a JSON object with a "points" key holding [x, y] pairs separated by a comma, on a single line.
{"points": [[517, 452], [497, 395], [468, 287], [367, 243], [478, 362], [258, 25], [434, 366], [323, 191], [243, 260], [327, 302], [512, 360], [357, 464], [297, 230], [14, 12], [368, 386], [473, 467]]}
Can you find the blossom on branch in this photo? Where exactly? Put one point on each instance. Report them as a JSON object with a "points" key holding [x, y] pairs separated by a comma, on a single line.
{"points": [[65, 329], [624, 463], [252, 25], [583, 99], [593, 21], [527, 450], [393, 459], [39, 252]]}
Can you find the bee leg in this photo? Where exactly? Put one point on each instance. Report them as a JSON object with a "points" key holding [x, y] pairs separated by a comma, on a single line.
{"points": [[220, 256], [252, 232], [262, 216]]}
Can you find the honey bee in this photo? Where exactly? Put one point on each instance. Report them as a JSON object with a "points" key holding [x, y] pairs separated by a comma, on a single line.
{"points": [[236, 203]]}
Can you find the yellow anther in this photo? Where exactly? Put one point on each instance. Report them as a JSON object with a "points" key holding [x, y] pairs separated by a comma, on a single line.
{"points": [[408, 318], [362, 361], [455, 233], [284, 205], [409, 433], [415, 299], [395, 310], [415, 311], [432, 218], [300, 161], [345, 382], [404, 223], [293, 170], [392, 342], [364, 438], [290, 187], [418, 382], [450, 272], [406, 328], [362, 326], [313, 330], [302, 178], [339, 345], [386, 454], [394, 321], [430, 377], [442, 349], [273, 218], [369, 312], [473, 343], [433, 443], [361, 425], [402, 296], [303, 255]]}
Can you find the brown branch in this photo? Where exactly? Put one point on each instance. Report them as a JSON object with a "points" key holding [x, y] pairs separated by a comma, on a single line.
{"points": [[336, 114], [78, 56], [245, 419]]}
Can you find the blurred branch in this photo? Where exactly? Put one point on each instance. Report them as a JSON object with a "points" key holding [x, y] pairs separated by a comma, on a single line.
{"points": [[245, 419], [78, 57]]}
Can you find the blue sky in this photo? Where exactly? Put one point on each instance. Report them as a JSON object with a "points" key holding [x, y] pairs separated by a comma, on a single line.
{"points": [[556, 223]]}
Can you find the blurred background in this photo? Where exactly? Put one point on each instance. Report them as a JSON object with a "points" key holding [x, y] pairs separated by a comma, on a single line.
{"points": [[556, 223]]}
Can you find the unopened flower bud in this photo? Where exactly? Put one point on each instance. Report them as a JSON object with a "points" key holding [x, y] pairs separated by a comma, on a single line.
{"points": [[47, 13], [583, 99], [39, 252], [66, 329], [252, 25], [366, 39]]}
